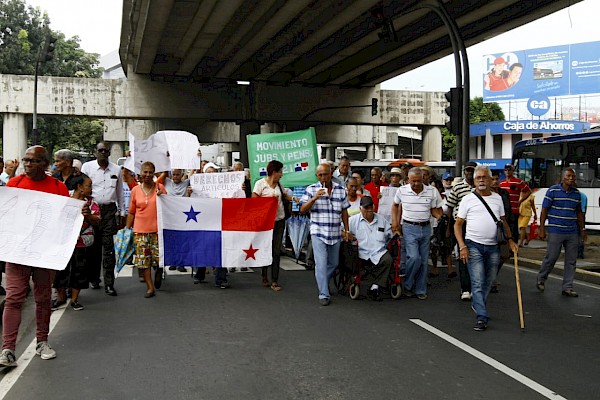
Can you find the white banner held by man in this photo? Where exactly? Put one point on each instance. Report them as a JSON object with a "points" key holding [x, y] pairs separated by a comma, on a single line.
{"points": [[183, 149], [219, 185], [38, 229]]}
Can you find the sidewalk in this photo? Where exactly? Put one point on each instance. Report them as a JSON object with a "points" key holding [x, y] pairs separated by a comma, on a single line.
{"points": [[588, 269]]}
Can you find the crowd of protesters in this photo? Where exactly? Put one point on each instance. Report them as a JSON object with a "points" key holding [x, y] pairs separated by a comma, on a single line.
{"points": [[434, 218]]}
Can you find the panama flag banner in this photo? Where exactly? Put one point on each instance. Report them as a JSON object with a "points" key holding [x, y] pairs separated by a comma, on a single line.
{"points": [[297, 151], [205, 232]]}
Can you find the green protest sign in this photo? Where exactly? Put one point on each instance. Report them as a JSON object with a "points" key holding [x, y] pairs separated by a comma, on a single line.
{"points": [[297, 151]]}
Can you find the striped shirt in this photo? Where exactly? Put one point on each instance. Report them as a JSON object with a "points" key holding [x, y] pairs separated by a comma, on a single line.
{"points": [[514, 186], [458, 191], [416, 207], [563, 208], [326, 212]]}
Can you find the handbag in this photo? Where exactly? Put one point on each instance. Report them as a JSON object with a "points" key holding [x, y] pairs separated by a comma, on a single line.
{"points": [[500, 233], [287, 207], [533, 230]]}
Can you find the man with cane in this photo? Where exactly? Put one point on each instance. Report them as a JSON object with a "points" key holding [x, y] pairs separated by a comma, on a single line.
{"points": [[479, 248]]}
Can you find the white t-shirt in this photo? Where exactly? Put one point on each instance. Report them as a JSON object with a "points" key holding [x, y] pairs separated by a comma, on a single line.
{"points": [[481, 227], [262, 189]]}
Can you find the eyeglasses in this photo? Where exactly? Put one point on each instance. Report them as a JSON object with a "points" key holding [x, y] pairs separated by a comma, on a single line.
{"points": [[31, 160], [103, 151]]}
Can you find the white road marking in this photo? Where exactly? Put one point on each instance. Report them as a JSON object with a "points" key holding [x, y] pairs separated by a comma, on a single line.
{"points": [[551, 276], [14, 374], [490, 361]]}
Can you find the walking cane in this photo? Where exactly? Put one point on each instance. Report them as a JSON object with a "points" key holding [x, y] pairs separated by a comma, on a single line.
{"points": [[520, 301]]}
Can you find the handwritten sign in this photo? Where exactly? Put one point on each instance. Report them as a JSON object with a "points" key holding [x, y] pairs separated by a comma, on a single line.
{"points": [[386, 201], [38, 229], [218, 185], [153, 149], [183, 149]]}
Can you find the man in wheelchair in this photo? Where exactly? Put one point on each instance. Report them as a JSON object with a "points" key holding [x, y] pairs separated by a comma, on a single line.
{"points": [[372, 233]]}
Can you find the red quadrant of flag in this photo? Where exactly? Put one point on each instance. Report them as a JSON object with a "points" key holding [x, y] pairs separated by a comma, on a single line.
{"points": [[257, 214]]}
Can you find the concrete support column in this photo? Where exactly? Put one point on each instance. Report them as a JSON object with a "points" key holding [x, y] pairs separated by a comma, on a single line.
{"points": [[247, 128], [507, 146], [432, 143], [473, 148], [14, 138], [389, 152], [116, 151], [330, 153], [374, 151], [228, 158], [489, 145]]}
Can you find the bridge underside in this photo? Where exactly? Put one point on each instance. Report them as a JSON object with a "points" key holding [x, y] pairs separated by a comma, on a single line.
{"points": [[348, 43]]}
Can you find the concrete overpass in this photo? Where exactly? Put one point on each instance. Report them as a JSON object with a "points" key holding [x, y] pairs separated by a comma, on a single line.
{"points": [[184, 58]]}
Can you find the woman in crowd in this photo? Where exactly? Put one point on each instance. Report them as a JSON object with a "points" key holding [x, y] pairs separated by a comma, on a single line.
{"points": [[75, 275], [143, 218], [270, 187]]}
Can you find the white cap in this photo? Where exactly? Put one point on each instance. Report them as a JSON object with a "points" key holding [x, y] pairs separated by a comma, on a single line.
{"points": [[209, 165]]}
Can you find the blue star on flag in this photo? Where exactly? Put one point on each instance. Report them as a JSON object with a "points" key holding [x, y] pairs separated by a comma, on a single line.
{"points": [[191, 214]]}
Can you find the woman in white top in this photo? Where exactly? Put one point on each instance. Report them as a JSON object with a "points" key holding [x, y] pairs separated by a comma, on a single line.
{"points": [[270, 187]]}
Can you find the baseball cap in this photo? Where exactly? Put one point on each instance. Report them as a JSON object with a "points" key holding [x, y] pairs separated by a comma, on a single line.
{"points": [[509, 166], [470, 164], [395, 171], [447, 175], [366, 201], [499, 60]]}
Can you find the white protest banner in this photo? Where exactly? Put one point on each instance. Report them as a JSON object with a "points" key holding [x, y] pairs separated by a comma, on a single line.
{"points": [[38, 229], [183, 149], [218, 185], [386, 201], [153, 149]]}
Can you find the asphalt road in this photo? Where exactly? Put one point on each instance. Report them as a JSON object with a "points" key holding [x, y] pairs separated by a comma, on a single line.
{"points": [[201, 342]]}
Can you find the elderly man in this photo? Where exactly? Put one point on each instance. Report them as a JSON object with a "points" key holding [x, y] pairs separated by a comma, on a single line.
{"points": [[9, 168], [63, 163], [359, 175], [107, 190], [479, 247], [328, 205], [414, 204], [372, 233], [342, 173], [562, 208], [458, 191], [35, 162]]}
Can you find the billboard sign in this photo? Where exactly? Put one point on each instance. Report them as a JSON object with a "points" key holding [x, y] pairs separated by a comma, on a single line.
{"points": [[548, 71], [527, 126]]}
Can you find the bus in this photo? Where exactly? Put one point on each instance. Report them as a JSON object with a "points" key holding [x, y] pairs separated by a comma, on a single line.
{"points": [[540, 162], [441, 167]]}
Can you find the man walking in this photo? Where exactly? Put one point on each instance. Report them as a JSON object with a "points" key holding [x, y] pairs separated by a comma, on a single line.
{"points": [[374, 186], [458, 191], [519, 191], [342, 173], [562, 208], [328, 205], [414, 204], [479, 247], [107, 190], [35, 162]]}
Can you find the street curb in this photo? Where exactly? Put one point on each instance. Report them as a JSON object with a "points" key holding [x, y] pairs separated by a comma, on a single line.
{"points": [[580, 274]]}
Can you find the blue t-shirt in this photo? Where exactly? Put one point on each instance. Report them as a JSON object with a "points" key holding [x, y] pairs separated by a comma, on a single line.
{"points": [[562, 208]]}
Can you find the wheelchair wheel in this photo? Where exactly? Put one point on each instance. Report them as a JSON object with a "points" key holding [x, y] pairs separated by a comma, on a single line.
{"points": [[396, 291], [354, 291]]}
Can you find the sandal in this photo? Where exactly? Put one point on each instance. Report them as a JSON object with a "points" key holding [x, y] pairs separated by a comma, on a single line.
{"points": [[265, 282], [275, 286]]}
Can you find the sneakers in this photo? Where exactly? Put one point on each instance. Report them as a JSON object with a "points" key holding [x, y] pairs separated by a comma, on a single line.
{"points": [[56, 304], [480, 326], [8, 358], [223, 285], [422, 296], [76, 306], [465, 296], [570, 293], [540, 286], [44, 350], [324, 302], [181, 269]]}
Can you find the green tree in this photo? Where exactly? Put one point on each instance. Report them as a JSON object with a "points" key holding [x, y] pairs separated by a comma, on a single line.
{"points": [[23, 31], [479, 112]]}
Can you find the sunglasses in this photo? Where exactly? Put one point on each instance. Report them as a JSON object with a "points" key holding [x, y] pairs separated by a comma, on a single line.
{"points": [[103, 151]]}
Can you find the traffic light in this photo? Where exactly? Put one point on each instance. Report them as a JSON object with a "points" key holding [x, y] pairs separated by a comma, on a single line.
{"points": [[374, 102], [48, 49], [454, 110]]}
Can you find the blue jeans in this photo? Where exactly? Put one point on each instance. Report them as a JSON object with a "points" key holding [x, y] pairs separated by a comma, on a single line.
{"points": [[482, 264], [416, 242], [327, 257]]}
